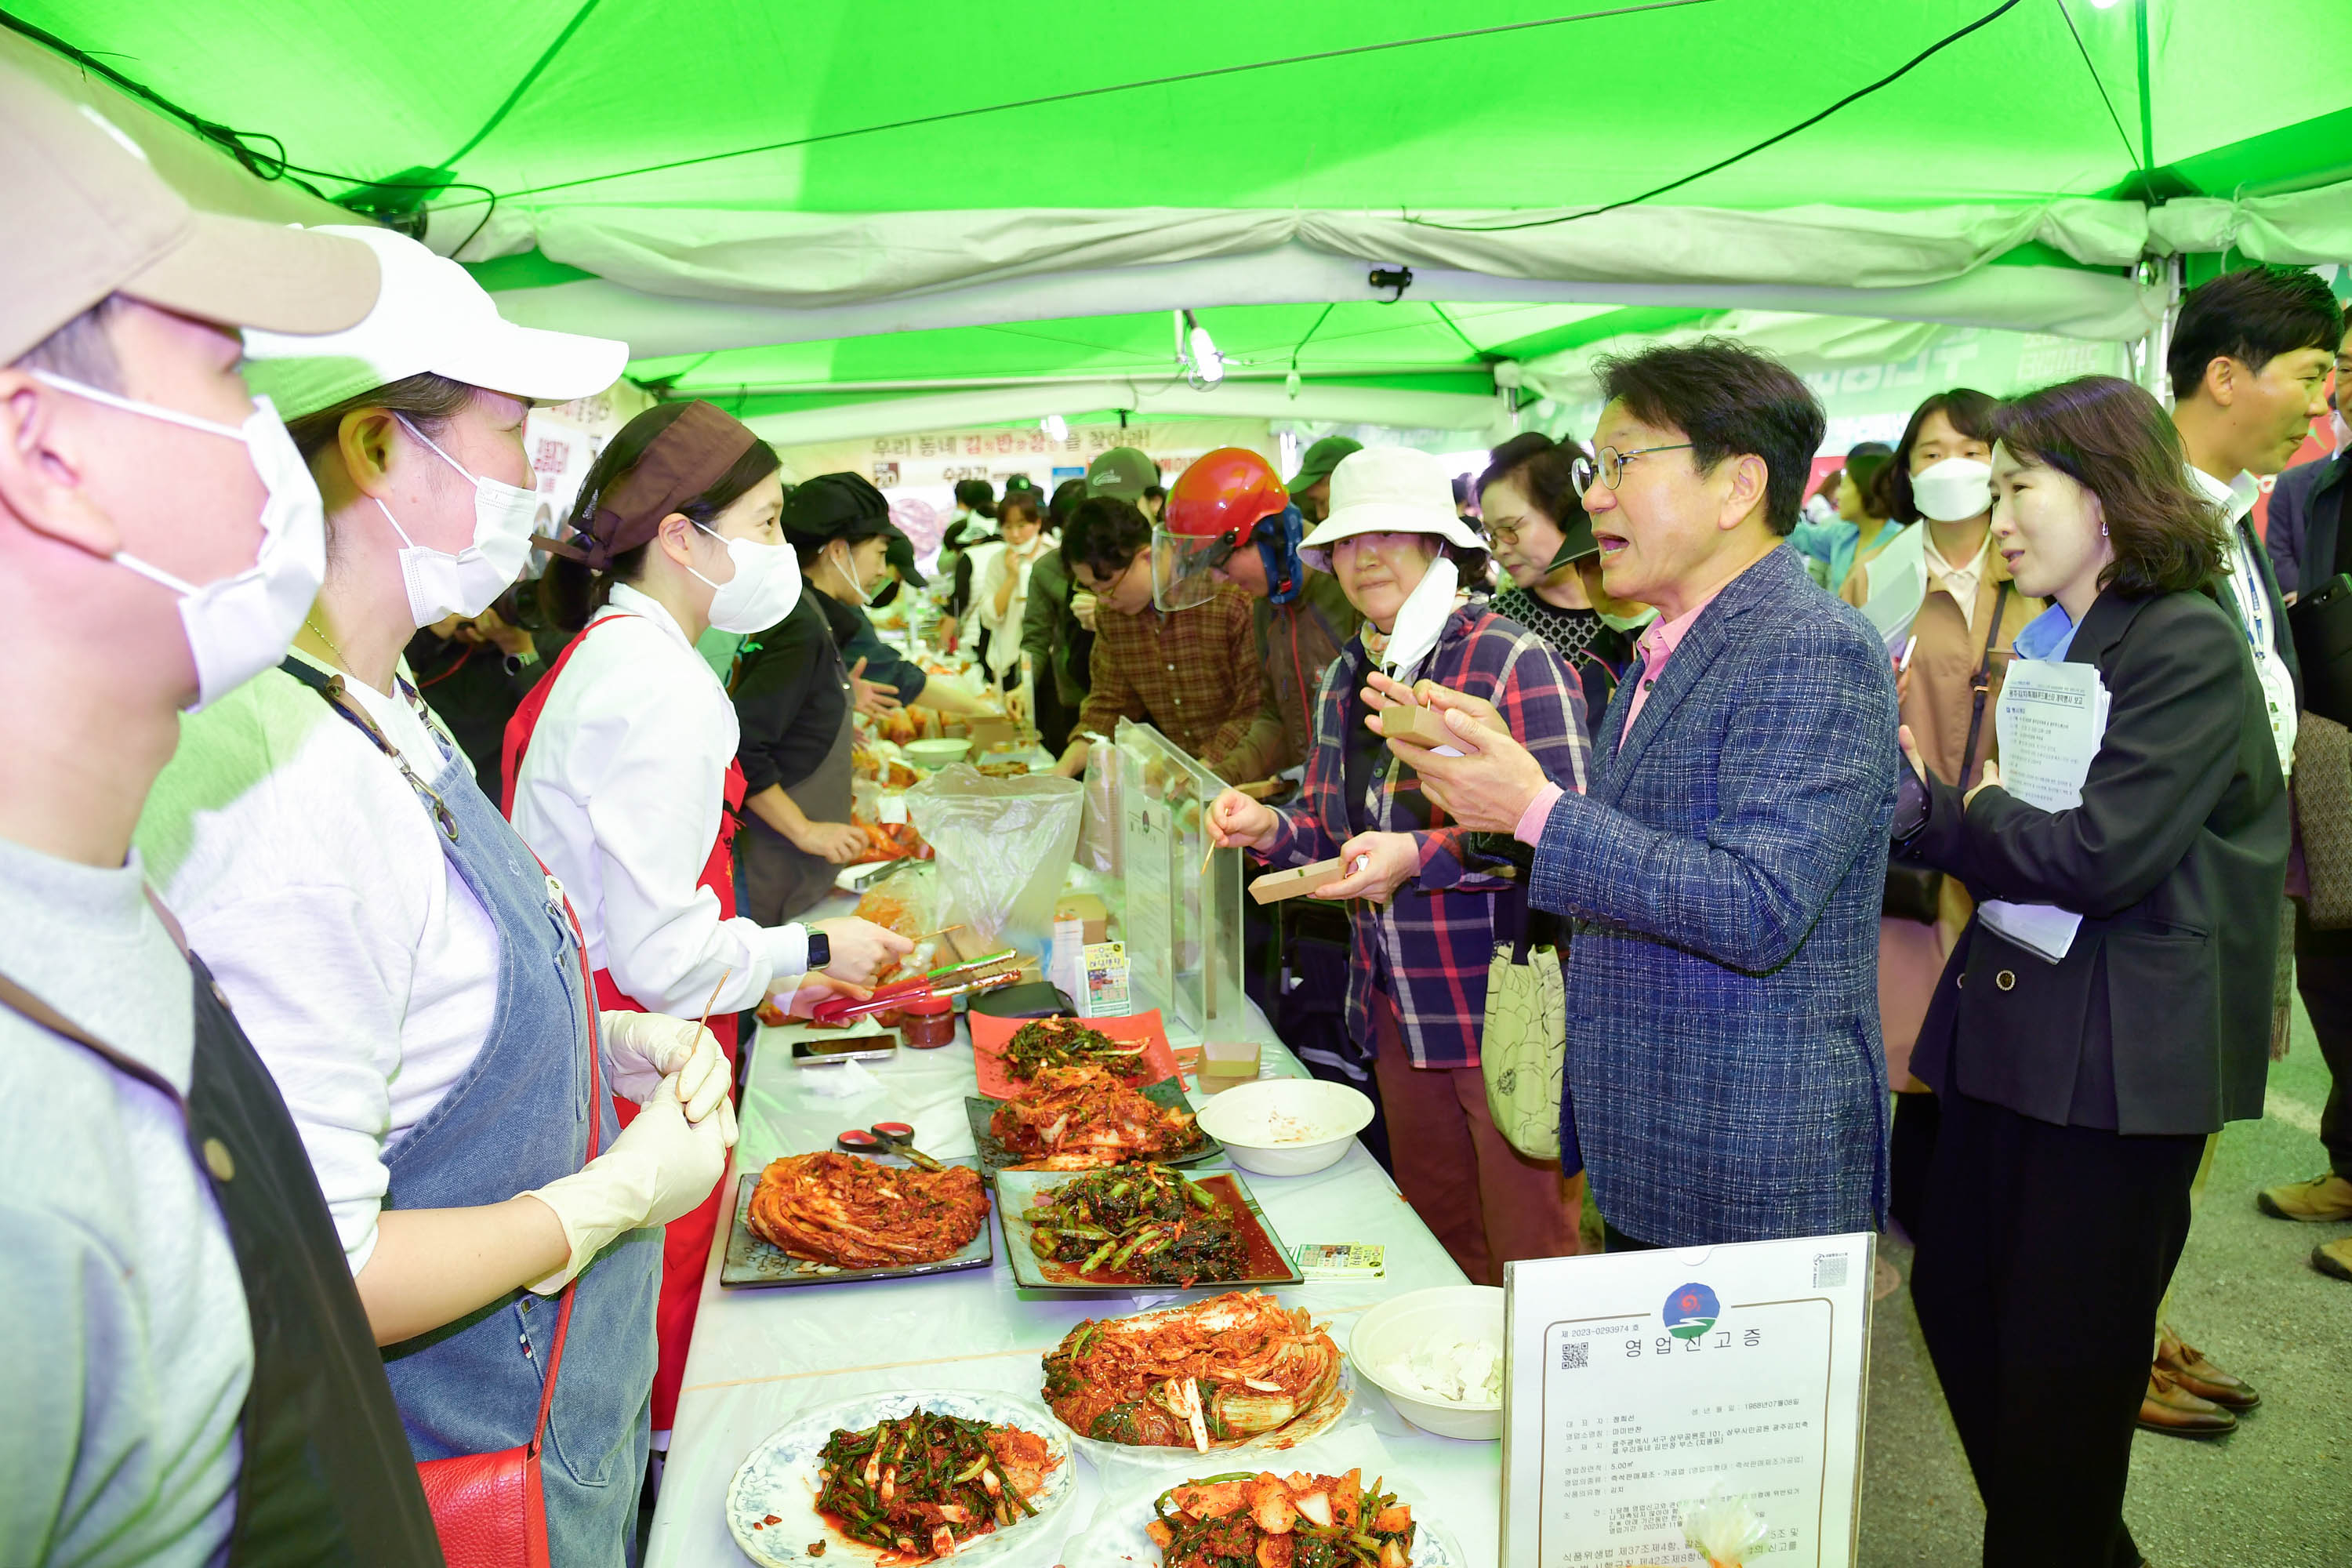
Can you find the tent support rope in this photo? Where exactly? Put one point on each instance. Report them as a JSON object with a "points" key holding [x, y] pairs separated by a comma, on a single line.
{"points": [[2129, 151], [1210, 73], [1897, 74]]}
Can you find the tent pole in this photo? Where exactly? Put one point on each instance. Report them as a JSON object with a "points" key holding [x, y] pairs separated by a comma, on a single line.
{"points": [[2150, 352]]}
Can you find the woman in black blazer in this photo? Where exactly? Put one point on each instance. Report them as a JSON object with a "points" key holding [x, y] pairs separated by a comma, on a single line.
{"points": [[2077, 1092]]}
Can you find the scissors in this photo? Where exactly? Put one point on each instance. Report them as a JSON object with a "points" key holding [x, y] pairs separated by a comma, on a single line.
{"points": [[887, 1138]]}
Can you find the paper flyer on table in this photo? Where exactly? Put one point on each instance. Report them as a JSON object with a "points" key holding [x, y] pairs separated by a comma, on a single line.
{"points": [[1898, 586], [2051, 717], [1638, 1382]]}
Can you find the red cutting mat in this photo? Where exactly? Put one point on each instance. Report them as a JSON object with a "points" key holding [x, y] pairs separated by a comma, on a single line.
{"points": [[989, 1033]]}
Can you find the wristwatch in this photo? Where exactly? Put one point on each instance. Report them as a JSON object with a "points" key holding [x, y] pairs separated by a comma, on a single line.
{"points": [[820, 950]]}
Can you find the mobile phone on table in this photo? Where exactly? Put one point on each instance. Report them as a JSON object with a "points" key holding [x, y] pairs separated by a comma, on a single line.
{"points": [[869, 1045]]}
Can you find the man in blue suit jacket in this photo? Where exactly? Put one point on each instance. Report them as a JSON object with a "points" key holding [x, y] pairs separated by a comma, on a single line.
{"points": [[1725, 871]]}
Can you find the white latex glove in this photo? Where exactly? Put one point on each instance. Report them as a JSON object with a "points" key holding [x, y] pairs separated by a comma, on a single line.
{"points": [[659, 1169], [643, 1048]]}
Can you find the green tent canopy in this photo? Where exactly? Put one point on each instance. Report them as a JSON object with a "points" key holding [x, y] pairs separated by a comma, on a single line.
{"points": [[923, 212]]}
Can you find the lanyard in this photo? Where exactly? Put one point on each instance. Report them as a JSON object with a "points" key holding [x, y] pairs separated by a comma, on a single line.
{"points": [[2253, 607], [330, 687]]}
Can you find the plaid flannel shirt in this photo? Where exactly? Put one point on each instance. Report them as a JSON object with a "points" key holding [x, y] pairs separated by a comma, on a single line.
{"points": [[1191, 674], [1435, 936]]}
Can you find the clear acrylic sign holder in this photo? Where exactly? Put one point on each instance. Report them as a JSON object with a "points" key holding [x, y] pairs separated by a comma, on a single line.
{"points": [[1183, 916]]}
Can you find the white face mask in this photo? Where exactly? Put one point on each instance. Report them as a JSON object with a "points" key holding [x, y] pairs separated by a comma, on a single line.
{"points": [[848, 570], [765, 587], [1953, 490], [241, 625], [1421, 619], [469, 582], [2337, 428]]}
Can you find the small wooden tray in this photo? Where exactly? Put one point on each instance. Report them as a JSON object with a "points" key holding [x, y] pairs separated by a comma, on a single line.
{"points": [[1298, 882], [1423, 726]]}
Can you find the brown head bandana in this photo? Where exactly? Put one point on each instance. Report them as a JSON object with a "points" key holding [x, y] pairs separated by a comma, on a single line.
{"points": [[693, 453]]}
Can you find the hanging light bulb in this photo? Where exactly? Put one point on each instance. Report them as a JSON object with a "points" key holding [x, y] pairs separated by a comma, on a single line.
{"points": [[1056, 428], [1207, 363], [1290, 384]]}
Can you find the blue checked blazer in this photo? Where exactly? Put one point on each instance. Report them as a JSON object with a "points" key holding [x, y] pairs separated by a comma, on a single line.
{"points": [[1724, 875]]}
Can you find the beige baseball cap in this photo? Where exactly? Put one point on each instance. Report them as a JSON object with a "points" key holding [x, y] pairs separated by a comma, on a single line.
{"points": [[96, 220]]}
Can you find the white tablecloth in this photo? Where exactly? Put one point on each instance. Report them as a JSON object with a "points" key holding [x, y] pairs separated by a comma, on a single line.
{"points": [[761, 1357]]}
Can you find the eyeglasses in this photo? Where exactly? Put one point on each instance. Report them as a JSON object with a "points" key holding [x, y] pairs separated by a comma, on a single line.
{"points": [[1611, 465]]}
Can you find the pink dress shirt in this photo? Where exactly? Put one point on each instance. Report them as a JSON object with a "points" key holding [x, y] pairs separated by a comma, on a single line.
{"points": [[1656, 645]]}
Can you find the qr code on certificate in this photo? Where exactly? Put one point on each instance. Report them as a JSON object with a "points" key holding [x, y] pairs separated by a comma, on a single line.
{"points": [[1828, 1270], [1574, 1354]]}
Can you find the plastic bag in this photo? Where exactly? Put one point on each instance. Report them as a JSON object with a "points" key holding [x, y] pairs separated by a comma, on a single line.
{"points": [[1003, 850], [1099, 836], [1725, 1527]]}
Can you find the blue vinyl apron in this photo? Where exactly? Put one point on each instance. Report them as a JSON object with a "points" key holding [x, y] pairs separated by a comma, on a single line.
{"points": [[517, 1120]]}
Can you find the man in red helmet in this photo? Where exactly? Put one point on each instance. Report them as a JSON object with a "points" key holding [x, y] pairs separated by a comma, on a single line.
{"points": [[1230, 520]]}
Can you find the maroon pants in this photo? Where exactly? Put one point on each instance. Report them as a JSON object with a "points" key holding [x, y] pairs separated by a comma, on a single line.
{"points": [[1487, 1201]]}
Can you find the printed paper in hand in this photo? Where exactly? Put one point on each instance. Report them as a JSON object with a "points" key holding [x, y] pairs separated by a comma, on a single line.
{"points": [[1898, 586], [2052, 716], [1637, 1382]]}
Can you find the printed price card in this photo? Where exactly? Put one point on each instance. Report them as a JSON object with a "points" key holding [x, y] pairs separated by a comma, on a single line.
{"points": [[1636, 1381]]}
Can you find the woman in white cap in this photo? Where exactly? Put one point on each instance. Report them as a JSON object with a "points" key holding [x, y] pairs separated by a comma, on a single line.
{"points": [[410, 974], [1417, 981], [621, 766]]}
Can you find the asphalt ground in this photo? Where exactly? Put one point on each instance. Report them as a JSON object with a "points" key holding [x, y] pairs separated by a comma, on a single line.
{"points": [[2276, 1493]]}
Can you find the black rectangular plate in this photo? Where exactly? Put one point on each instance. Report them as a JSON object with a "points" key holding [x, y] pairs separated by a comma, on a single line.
{"points": [[753, 1262], [1017, 1190]]}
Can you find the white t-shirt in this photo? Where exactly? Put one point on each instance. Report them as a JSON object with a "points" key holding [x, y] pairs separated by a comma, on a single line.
{"points": [[620, 793], [308, 875]]}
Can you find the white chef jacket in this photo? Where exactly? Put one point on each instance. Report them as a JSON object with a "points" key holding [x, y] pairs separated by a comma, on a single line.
{"points": [[2243, 577], [620, 793]]}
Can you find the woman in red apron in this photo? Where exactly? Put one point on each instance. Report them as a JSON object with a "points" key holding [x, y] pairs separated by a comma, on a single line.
{"points": [[620, 766]]}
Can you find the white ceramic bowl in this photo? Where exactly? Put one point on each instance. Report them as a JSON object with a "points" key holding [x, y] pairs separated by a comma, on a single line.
{"points": [[1286, 1126], [934, 754], [1469, 1312]]}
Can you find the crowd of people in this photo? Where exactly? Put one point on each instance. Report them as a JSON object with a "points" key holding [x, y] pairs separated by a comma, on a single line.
{"points": [[1767, 830], [362, 1126]]}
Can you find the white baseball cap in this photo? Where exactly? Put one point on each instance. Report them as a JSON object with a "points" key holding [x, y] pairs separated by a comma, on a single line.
{"points": [[431, 316], [1388, 489]]}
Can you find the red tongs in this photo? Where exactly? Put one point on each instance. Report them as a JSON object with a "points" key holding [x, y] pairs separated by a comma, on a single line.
{"points": [[899, 993]]}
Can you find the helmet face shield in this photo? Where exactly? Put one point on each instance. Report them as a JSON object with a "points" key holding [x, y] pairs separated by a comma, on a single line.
{"points": [[1183, 567]]}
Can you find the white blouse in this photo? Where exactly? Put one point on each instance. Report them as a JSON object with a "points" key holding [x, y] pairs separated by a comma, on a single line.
{"points": [[620, 793], [1004, 630]]}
